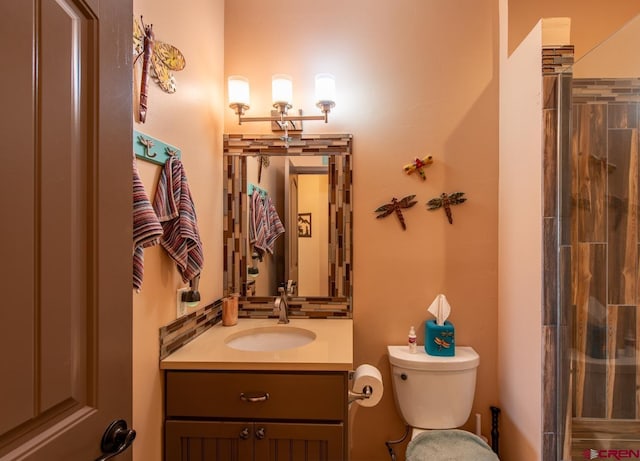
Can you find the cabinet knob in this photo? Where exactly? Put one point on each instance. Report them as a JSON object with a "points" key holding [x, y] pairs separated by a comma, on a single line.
{"points": [[244, 433], [254, 397], [260, 433]]}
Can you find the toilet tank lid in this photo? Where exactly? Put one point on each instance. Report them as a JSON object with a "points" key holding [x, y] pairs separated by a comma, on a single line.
{"points": [[465, 359]]}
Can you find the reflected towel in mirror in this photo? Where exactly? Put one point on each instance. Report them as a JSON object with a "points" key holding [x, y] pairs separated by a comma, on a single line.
{"points": [[265, 225]]}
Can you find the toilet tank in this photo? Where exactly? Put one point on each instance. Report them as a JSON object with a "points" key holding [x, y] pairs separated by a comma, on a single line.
{"points": [[434, 392]]}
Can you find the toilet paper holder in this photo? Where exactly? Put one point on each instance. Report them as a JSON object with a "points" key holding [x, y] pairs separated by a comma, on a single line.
{"points": [[366, 393], [365, 386]]}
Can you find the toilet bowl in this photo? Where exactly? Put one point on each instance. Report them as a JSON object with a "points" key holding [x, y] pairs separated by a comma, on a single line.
{"points": [[434, 396]]}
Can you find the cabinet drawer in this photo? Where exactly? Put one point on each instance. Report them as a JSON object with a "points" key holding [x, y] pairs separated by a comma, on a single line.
{"points": [[256, 395]]}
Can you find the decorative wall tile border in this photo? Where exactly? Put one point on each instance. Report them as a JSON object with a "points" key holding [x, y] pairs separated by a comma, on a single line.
{"points": [[179, 332], [556, 60], [590, 90], [299, 307], [305, 144]]}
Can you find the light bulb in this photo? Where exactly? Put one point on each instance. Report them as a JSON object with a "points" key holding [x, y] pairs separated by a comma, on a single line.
{"points": [[238, 87], [281, 89], [325, 88]]}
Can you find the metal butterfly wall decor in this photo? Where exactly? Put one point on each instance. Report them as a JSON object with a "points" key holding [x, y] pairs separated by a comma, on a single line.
{"points": [[396, 205], [418, 165], [158, 60], [445, 201]]}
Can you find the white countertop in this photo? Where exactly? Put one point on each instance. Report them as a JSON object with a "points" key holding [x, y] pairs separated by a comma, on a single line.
{"points": [[332, 349]]}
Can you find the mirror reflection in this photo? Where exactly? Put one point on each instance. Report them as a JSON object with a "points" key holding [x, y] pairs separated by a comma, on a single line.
{"points": [[287, 217]]}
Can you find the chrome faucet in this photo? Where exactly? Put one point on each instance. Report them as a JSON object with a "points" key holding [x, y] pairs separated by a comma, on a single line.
{"points": [[281, 306]]}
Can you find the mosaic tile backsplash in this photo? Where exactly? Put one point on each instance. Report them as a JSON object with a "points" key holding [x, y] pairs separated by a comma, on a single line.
{"points": [[184, 329]]}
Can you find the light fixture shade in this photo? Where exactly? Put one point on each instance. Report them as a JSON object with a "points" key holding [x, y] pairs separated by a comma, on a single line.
{"points": [[281, 89], [325, 88], [238, 88]]}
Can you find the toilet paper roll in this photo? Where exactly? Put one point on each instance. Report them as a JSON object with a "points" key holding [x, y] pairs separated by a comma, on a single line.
{"points": [[368, 377]]}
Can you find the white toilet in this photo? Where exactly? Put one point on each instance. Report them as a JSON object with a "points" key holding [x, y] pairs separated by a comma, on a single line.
{"points": [[435, 396]]}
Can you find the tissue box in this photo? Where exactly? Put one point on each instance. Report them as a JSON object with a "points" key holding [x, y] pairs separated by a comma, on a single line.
{"points": [[439, 339]]}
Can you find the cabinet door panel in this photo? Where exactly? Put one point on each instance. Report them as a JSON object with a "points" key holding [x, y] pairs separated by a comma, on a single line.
{"points": [[208, 440], [300, 442]]}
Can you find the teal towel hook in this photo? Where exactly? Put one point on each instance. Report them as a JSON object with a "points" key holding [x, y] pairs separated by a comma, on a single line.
{"points": [[253, 188], [152, 149]]}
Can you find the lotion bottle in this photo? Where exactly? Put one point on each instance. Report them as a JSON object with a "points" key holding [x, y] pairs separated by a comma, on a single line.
{"points": [[412, 340]]}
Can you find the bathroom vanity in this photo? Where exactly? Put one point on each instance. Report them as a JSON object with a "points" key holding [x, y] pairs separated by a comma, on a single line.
{"points": [[288, 404]]}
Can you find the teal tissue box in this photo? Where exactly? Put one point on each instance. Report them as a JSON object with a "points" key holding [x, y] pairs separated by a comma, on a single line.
{"points": [[439, 339]]}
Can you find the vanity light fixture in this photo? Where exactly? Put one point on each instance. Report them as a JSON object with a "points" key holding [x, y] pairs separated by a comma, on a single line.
{"points": [[281, 92]]}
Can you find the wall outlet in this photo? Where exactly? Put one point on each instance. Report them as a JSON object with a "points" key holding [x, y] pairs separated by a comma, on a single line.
{"points": [[181, 307]]}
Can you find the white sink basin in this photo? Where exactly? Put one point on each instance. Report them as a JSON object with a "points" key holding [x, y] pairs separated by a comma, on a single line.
{"points": [[275, 338]]}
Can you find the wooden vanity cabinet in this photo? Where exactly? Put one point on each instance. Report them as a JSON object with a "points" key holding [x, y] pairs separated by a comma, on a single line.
{"points": [[256, 416]]}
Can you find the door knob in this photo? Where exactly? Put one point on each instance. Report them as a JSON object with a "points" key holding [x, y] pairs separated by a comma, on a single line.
{"points": [[260, 433], [116, 439]]}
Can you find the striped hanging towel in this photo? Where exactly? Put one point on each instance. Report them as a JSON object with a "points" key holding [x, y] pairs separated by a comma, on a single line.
{"points": [[147, 229], [274, 227], [258, 223], [177, 213]]}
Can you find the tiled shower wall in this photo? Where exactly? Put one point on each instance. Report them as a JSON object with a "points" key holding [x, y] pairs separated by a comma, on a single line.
{"points": [[604, 233], [590, 222]]}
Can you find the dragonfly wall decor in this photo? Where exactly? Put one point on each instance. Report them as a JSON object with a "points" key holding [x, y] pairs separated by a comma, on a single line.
{"points": [[418, 165], [445, 201], [396, 205], [158, 60]]}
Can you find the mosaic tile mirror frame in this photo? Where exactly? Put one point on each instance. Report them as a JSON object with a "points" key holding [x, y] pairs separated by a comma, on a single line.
{"points": [[243, 156]]}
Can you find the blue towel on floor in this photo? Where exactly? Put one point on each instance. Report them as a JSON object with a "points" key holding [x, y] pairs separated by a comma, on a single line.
{"points": [[449, 445]]}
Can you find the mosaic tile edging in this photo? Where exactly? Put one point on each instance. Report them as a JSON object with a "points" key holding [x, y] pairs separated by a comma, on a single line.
{"points": [[556, 61], [599, 90], [235, 259], [184, 329], [299, 307]]}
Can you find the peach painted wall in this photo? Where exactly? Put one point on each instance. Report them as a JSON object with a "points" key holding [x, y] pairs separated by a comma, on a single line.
{"points": [[413, 78], [191, 119], [520, 246], [591, 21]]}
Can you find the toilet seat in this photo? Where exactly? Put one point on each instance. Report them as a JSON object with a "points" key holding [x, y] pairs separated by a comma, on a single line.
{"points": [[448, 445]]}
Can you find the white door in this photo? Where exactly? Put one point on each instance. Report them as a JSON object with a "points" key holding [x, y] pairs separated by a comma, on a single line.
{"points": [[65, 238]]}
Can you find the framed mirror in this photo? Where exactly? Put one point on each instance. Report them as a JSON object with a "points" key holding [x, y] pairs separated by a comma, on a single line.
{"points": [[288, 223]]}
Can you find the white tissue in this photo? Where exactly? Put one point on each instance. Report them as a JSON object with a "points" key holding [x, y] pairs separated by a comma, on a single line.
{"points": [[440, 309]]}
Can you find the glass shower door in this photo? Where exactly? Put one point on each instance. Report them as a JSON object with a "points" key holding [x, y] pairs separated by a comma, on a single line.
{"points": [[601, 190]]}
